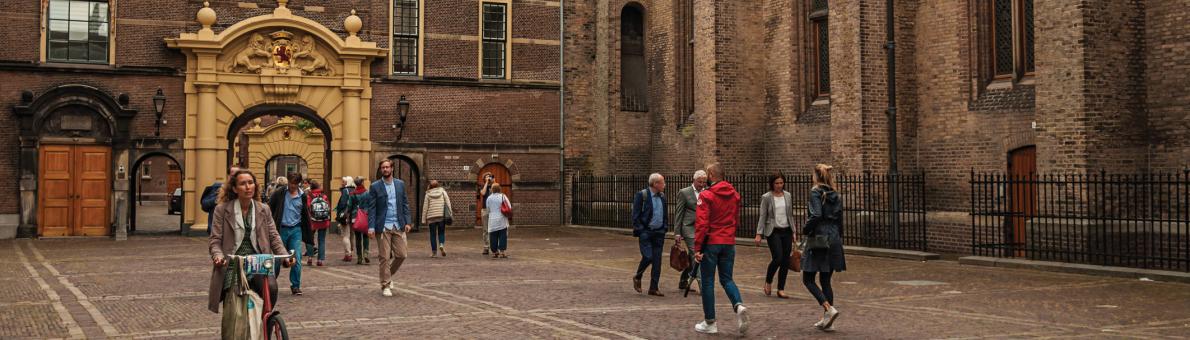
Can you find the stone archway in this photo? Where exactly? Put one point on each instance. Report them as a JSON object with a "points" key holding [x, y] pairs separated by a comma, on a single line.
{"points": [[285, 138], [273, 59]]}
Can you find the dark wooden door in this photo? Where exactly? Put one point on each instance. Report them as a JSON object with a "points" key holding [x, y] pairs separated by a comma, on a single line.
{"points": [[501, 175], [1022, 167], [75, 190]]}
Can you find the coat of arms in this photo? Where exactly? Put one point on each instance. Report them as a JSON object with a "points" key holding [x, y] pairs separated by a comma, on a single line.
{"points": [[281, 51]]}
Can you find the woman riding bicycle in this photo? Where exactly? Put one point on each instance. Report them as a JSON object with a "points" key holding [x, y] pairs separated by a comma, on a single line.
{"points": [[242, 225]]}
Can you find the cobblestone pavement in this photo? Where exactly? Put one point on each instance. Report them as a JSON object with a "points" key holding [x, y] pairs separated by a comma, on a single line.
{"points": [[154, 218], [558, 283]]}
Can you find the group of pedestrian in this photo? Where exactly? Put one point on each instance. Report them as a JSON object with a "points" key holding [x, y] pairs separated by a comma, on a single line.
{"points": [[707, 217]]}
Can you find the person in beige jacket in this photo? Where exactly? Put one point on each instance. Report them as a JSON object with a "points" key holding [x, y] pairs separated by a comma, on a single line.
{"points": [[436, 212]]}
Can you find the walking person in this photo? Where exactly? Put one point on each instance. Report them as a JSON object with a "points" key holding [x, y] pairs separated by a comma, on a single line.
{"points": [[823, 234], [289, 213], [319, 206], [210, 196], [714, 248], [242, 226], [307, 231], [436, 213], [498, 222], [649, 225], [388, 220], [342, 218], [349, 210], [684, 215], [485, 191], [776, 225]]}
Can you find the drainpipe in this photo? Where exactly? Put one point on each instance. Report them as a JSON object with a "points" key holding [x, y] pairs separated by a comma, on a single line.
{"points": [[890, 47], [562, 112]]}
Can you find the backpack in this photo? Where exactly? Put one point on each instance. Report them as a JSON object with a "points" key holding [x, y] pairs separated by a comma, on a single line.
{"points": [[320, 209]]}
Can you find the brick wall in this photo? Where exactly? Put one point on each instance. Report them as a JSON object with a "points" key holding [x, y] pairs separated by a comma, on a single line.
{"points": [[1167, 57]]}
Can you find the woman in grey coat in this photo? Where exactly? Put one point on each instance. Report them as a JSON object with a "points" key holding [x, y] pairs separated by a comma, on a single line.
{"points": [[826, 219], [776, 225]]}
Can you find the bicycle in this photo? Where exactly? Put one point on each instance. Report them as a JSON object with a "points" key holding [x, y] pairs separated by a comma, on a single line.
{"points": [[264, 265]]}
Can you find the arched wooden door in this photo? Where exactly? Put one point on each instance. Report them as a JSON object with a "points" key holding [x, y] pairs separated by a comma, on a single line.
{"points": [[501, 175], [1022, 169]]}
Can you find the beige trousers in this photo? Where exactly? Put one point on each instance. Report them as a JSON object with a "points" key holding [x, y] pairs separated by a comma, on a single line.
{"points": [[346, 232], [393, 250]]}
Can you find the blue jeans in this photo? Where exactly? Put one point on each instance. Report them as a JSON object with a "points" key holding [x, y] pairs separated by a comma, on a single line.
{"points": [[292, 238], [499, 240], [651, 246], [437, 235], [722, 257], [321, 244]]}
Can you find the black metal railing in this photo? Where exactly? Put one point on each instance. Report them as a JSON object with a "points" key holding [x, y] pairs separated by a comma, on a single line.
{"points": [[886, 211], [1129, 220]]}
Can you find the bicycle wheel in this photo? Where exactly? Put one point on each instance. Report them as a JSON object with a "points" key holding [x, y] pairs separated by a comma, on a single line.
{"points": [[276, 328]]}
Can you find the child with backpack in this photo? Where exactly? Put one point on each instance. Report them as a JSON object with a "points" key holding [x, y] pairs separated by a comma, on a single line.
{"points": [[319, 207]]}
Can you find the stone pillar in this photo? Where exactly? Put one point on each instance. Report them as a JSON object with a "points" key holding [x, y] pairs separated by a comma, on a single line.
{"points": [[207, 146], [353, 158]]}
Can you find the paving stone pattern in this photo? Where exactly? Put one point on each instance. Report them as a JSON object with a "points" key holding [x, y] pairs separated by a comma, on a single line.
{"points": [[558, 283]]}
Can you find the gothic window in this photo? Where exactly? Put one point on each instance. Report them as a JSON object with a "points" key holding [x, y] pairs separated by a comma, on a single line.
{"points": [[406, 31], [495, 40], [684, 68], [633, 77], [820, 47], [1010, 31], [78, 31]]}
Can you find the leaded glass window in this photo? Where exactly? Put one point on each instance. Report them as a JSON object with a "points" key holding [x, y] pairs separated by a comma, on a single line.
{"points": [[1002, 40], [821, 46], [1009, 39]]}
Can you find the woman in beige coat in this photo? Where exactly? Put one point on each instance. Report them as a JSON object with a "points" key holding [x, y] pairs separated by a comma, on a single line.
{"points": [[243, 225], [436, 211]]}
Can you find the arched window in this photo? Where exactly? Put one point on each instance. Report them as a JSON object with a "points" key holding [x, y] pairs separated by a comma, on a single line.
{"points": [[633, 77]]}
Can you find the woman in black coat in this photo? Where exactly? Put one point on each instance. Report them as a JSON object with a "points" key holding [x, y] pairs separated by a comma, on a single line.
{"points": [[826, 224]]}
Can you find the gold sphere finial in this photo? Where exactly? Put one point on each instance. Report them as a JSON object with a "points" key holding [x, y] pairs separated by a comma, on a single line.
{"points": [[353, 23]]}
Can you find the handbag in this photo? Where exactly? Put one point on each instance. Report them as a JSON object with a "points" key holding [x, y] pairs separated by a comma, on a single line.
{"points": [[506, 208], [679, 259], [448, 215], [817, 242], [795, 261], [361, 221]]}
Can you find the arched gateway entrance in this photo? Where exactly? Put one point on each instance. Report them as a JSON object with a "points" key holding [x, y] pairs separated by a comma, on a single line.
{"points": [[277, 59]]}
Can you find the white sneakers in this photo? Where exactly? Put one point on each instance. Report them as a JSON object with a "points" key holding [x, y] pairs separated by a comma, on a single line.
{"points": [[828, 319], [741, 317], [703, 327], [385, 290]]}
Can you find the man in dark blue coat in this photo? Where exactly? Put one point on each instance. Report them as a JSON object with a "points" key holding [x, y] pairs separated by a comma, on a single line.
{"points": [[650, 223], [388, 219]]}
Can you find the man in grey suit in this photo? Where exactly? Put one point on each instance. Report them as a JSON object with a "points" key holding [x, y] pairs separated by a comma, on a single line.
{"points": [[684, 216]]}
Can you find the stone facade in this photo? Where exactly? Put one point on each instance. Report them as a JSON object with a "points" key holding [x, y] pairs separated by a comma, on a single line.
{"points": [[456, 120], [1107, 93]]}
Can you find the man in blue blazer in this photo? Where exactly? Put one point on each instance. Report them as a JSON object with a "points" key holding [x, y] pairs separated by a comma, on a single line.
{"points": [[649, 223], [388, 217]]}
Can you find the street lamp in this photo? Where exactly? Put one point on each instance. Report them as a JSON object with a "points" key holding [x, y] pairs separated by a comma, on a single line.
{"points": [[159, 107], [402, 115]]}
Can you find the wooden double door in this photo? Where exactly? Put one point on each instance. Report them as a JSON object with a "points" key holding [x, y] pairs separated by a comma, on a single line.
{"points": [[74, 190]]}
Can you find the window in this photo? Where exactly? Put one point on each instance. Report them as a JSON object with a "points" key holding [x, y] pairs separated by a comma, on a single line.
{"points": [[406, 32], [78, 31], [820, 47], [685, 65], [634, 81], [495, 40], [145, 170], [1010, 38]]}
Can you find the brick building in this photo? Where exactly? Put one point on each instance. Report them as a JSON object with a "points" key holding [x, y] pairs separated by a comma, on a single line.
{"points": [[1070, 86], [480, 78]]}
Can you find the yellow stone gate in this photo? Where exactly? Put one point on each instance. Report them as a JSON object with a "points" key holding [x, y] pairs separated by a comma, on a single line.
{"points": [[272, 63]]}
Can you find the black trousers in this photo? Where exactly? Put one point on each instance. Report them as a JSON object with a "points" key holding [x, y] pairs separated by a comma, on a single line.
{"points": [[780, 246], [826, 294]]}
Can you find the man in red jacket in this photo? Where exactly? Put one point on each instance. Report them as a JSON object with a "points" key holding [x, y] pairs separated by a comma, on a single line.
{"points": [[717, 216]]}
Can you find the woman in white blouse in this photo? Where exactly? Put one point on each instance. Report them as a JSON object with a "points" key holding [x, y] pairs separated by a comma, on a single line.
{"points": [[776, 225]]}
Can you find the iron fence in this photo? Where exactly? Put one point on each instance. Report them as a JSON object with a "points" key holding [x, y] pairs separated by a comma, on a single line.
{"points": [[886, 211], [1130, 220]]}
